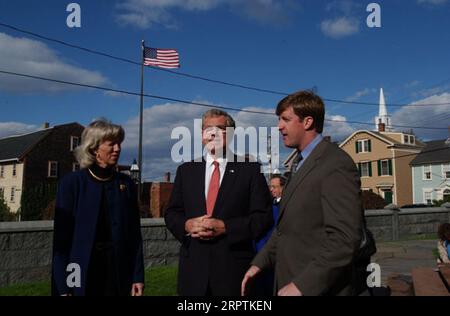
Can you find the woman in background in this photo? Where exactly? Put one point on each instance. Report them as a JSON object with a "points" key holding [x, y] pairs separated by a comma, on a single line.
{"points": [[97, 222], [444, 243]]}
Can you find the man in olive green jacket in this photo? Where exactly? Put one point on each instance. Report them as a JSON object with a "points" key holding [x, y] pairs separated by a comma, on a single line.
{"points": [[319, 227]]}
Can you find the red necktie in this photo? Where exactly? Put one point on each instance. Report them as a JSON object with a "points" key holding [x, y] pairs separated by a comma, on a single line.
{"points": [[213, 189]]}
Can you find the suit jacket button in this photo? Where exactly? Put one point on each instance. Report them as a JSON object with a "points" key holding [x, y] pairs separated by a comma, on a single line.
{"points": [[278, 233]]}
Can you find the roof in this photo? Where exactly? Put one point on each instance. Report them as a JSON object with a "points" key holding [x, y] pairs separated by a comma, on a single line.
{"points": [[436, 151], [386, 139], [14, 147]]}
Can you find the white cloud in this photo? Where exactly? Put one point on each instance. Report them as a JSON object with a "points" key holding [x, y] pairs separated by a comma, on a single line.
{"points": [[147, 13], [428, 92], [114, 94], [32, 57], [160, 120], [15, 128], [337, 127], [426, 116], [358, 94], [340, 27], [412, 84], [344, 21], [432, 2]]}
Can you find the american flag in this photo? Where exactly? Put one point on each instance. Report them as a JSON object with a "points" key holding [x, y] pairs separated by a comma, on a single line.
{"points": [[164, 58]]}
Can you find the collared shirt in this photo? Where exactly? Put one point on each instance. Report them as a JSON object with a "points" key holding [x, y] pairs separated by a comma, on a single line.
{"points": [[210, 169], [308, 149]]}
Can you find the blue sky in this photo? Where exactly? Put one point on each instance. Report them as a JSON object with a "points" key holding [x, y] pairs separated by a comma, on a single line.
{"points": [[278, 45]]}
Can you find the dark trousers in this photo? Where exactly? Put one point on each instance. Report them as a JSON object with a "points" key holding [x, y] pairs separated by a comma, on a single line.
{"points": [[102, 277]]}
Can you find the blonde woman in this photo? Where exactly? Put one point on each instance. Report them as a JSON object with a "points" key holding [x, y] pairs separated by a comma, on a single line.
{"points": [[97, 223]]}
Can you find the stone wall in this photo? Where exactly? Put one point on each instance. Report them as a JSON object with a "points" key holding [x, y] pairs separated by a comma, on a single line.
{"points": [[26, 247], [394, 223]]}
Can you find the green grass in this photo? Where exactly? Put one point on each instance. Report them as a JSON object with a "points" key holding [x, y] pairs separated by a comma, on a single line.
{"points": [[410, 238], [422, 237], [159, 281], [436, 253], [32, 289]]}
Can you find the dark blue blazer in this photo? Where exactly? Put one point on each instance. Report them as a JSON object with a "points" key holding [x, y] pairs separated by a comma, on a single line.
{"points": [[77, 208]]}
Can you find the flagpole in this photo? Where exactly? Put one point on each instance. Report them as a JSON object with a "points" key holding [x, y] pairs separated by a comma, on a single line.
{"points": [[141, 119]]}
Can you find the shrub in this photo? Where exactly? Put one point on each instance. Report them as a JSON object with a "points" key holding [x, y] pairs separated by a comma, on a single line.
{"points": [[372, 201], [5, 213]]}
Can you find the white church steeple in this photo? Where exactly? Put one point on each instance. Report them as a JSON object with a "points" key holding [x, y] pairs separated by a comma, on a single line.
{"points": [[383, 116]]}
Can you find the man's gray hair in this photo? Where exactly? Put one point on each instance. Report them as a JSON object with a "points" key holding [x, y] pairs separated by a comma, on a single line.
{"points": [[93, 136], [218, 112]]}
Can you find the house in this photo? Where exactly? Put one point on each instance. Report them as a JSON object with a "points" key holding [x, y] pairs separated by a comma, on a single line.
{"points": [[40, 158], [431, 172], [383, 160]]}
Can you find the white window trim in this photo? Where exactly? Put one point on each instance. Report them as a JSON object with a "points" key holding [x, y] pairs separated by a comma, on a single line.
{"points": [[423, 173], [394, 188], [361, 141], [411, 139], [381, 166], [365, 162], [443, 171], [403, 139], [12, 195], [383, 194], [442, 193], [49, 169], [424, 191], [71, 142]]}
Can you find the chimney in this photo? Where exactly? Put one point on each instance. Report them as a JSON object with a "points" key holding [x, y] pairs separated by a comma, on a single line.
{"points": [[46, 125], [167, 177], [381, 127]]}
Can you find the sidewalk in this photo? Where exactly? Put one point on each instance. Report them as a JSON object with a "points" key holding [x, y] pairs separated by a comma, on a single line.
{"points": [[401, 256]]}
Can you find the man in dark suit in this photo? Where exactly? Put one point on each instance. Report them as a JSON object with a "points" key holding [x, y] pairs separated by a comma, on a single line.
{"points": [[218, 207], [320, 223]]}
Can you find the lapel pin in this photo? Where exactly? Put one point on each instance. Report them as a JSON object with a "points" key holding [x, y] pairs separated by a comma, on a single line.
{"points": [[232, 170]]}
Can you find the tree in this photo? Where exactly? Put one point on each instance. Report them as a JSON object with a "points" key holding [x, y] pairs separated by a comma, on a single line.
{"points": [[372, 201], [438, 203], [5, 213], [36, 199]]}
